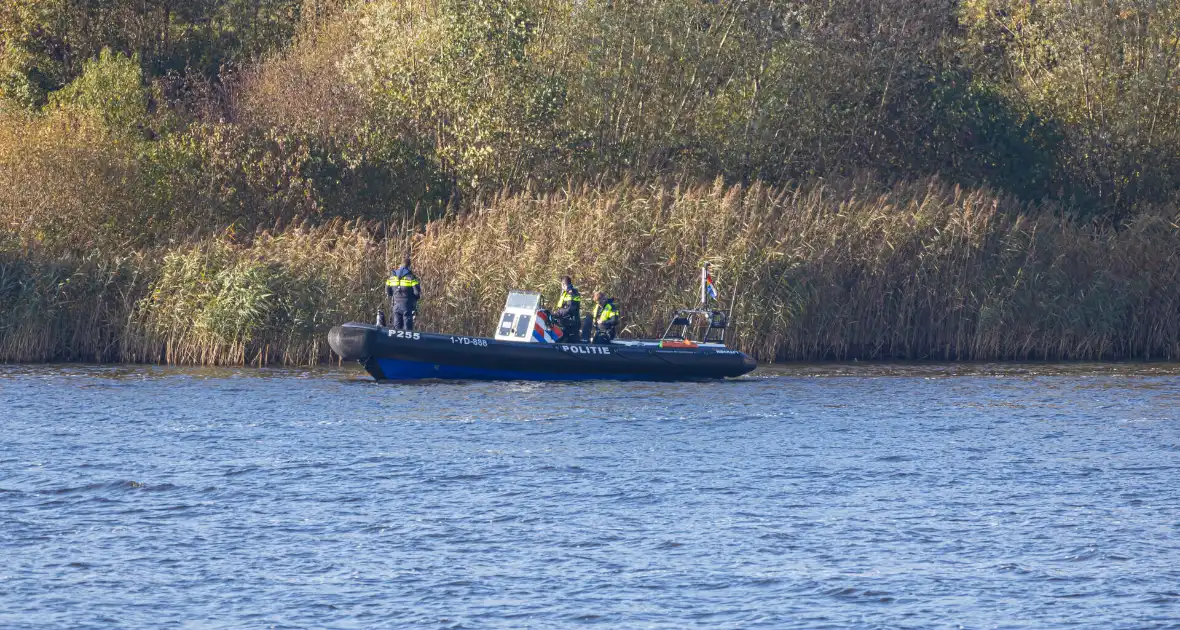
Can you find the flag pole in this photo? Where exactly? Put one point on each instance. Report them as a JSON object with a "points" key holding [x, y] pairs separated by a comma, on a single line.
{"points": [[704, 286]]}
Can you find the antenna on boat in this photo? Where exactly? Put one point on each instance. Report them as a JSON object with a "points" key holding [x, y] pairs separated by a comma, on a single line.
{"points": [[708, 291]]}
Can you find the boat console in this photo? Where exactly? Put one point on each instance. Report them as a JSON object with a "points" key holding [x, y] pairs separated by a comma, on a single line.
{"points": [[524, 321]]}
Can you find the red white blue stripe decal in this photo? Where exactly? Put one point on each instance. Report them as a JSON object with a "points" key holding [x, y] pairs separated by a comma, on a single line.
{"points": [[543, 332]]}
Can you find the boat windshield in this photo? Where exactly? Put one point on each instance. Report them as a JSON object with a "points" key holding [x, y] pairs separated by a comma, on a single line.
{"points": [[522, 300]]}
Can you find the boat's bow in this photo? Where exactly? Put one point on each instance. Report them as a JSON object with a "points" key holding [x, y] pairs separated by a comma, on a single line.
{"points": [[353, 342]]}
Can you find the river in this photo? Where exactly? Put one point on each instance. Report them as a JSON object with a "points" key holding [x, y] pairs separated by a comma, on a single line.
{"points": [[803, 497]]}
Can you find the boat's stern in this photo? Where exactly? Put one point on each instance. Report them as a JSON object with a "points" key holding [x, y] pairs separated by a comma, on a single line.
{"points": [[748, 363]]}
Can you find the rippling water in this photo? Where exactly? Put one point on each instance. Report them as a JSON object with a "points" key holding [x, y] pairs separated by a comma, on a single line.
{"points": [[837, 496]]}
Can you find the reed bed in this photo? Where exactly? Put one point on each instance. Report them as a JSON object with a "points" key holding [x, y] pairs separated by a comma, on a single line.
{"points": [[917, 271]]}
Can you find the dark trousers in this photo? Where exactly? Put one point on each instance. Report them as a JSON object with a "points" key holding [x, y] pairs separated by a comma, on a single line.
{"points": [[403, 317], [569, 330], [596, 334]]}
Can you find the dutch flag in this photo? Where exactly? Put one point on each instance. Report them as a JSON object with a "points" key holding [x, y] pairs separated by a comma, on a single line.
{"points": [[709, 288]]}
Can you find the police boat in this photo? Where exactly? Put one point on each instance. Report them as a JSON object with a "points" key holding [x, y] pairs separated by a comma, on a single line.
{"points": [[525, 347]]}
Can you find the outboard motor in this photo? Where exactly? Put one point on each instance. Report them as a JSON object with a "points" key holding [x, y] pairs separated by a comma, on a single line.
{"points": [[523, 320]]}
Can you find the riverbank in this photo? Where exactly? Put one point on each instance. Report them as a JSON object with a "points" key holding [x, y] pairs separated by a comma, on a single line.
{"points": [[919, 271]]}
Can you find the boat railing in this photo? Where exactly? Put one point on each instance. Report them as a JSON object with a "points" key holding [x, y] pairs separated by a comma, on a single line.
{"points": [[684, 322]]}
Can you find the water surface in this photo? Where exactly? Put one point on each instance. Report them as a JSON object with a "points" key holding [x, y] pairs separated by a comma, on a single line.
{"points": [[810, 497]]}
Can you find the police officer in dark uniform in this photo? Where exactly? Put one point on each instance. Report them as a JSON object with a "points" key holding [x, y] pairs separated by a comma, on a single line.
{"points": [[568, 312], [601, 326], [404, 290]]}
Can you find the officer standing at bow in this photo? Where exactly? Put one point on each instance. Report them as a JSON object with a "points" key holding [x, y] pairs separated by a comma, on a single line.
{"points": [[568, 312], [404, 290]]}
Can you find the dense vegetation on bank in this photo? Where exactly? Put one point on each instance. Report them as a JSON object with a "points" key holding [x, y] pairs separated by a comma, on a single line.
{"points": [[220, 180], [920, 271]]}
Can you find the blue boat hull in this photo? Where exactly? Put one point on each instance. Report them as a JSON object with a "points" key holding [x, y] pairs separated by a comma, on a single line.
{"points": [[391, 355], [402, 370]]}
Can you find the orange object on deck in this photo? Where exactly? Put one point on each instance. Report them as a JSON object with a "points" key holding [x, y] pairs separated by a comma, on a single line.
{"points": [[667, 343]]}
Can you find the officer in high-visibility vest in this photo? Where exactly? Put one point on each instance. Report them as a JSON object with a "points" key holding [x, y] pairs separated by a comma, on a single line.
{"points": [[404, 290], [600, 327], [568, 311]]}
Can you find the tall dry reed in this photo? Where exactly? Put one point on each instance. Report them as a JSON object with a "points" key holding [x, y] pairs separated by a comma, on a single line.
{"points": [[917, 271], [920, 271]]}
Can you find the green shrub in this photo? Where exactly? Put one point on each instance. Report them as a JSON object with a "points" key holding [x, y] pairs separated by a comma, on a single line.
{"points": [[109, 88]]}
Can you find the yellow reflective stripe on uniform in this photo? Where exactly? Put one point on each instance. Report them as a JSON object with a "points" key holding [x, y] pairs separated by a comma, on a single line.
{"points": [[401, 282], [603, 313], [566, 298]]}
